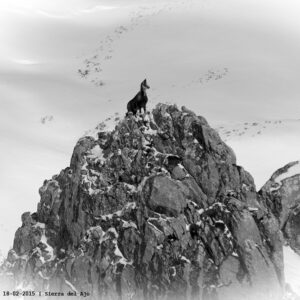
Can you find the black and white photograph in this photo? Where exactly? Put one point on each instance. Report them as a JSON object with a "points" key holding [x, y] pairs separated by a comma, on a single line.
{"points": [[150, 149]]}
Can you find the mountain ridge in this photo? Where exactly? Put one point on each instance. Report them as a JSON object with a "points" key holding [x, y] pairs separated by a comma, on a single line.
{"points": [[156, 208]]}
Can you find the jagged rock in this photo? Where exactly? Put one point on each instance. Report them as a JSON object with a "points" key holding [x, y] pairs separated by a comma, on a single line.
{"points": [[50, 202], [282, 196], [154, 209], [22, 242]]}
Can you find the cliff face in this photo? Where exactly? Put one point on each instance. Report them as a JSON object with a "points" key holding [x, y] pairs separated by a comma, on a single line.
{"points": [[154, 209], [282, 195]]}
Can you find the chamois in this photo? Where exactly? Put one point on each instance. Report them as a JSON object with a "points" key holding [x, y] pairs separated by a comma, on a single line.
{"points": [[139, 101]]}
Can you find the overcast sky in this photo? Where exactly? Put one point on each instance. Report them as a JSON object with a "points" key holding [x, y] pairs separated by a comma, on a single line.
{"points": [[231, 61]]}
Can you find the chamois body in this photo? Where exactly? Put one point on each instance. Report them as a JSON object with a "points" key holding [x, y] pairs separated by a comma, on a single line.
{"points": [[139, 101]]}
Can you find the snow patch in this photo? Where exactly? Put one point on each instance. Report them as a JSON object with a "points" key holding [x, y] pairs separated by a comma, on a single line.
{"points": [[130, 205], [49, 249], [119, 213], [151, 131], [173, 271], [129, 224], [152, 225], [68, 283], [185, 259], [251, 209], [131, 187], [96, 154], [40, 225], [200, 211], [122, 259], [108, 125]]}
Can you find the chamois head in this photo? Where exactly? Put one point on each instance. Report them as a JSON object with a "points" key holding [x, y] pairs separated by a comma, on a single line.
{"points": [[144, 85]]}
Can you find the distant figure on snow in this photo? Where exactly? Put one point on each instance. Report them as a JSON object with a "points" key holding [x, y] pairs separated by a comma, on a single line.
{"points": [[140, 100]]}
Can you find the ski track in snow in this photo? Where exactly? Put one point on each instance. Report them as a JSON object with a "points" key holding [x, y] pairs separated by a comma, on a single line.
{"points": [[253, 129], [104, 53], [94, 65]]}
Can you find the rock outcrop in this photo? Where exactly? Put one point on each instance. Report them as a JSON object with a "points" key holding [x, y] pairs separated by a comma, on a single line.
{"points": [[154, 209], [282, 196]]}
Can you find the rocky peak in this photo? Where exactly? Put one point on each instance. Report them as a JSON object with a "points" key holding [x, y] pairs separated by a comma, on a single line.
{"points": [[152, 208]]}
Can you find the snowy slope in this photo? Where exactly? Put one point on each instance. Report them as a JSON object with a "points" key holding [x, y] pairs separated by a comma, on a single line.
{"points": [[292, 267]]}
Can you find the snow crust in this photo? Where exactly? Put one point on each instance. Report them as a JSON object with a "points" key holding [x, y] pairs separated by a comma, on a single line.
{"points": [[292, 171]]}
